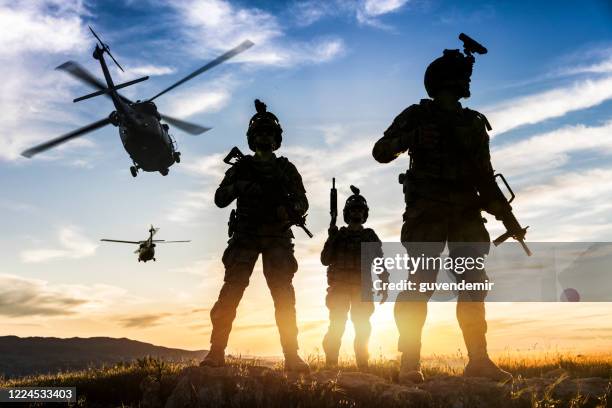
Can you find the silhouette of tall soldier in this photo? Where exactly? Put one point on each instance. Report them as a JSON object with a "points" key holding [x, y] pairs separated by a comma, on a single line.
{"points": [[270, 195], [449, 182]]}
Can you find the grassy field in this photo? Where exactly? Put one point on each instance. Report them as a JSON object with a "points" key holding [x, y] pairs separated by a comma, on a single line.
{"points": [[124, 384]]}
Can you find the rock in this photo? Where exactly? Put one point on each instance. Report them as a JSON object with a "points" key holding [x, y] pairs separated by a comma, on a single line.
{"points": [[258, 386], [151, 396], [556, 373]]}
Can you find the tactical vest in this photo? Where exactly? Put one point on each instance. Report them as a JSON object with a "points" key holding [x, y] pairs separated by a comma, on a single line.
{"points": [[443, 172], [346, 255], [255, 211]]}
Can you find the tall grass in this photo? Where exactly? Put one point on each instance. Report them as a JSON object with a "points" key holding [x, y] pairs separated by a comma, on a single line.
{"points": [[120, 384]]}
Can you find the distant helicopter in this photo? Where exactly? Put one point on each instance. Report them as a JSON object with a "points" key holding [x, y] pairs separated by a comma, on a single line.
{"points": [[146, 248], [144, 137]]}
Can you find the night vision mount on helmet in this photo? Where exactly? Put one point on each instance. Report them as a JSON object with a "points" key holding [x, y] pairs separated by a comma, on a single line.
{"points": [[452, 66], [355, 201], [264, 120]]}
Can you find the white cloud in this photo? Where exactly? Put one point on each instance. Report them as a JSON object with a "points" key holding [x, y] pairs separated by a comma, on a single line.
{"points": [[573, 206], [36, 35], [198, 101], [364, 11], [220, 25], [210, 170], [549, 104], [603, 67], [552, 149], [40, 26], [21, 296], [72, 245], [145, 70], [375, 8]]}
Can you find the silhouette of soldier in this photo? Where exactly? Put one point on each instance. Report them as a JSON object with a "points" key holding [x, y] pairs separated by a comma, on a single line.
{"points": [[342, 255], [268, 189], [449, 182]]}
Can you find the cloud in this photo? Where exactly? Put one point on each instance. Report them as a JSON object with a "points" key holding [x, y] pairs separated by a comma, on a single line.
{"points": [[32, 297], [603, 67], [143, 321], [20, 297], [530, 109], [40, 27], [571, 206], [370, 9], [36, 34], [143, 70], [364, 11], [299, 53], [553, 149], [221, 25], [73, 245], [198, 101]]}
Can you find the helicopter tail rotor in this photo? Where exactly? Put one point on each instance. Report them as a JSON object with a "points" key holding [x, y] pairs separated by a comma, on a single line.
{"points": [[105, 48]]}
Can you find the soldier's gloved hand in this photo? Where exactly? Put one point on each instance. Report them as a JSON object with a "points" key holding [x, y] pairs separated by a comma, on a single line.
{"points": [[428, 136], [247, 188], [333, 230], [497, 208], [384, 294]]}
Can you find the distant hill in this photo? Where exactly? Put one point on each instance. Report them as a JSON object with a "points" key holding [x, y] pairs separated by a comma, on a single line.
{"points": [[40, 355]]}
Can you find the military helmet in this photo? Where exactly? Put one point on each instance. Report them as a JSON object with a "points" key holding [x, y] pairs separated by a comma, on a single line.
{"points": [[355, 201], [451, 66], [264, 120]]}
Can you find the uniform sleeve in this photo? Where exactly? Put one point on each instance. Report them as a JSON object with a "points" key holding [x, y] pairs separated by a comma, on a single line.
{"points": [[486, 184], [296, 187], [378, 253], [327, 254], [373, 238], [399, 137], [226, 192]]}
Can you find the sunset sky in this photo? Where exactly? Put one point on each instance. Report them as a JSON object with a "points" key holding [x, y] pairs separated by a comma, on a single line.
{"points": [[336, 73]]}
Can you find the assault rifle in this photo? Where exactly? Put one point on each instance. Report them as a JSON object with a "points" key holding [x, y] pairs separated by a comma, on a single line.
{"points": [[513, 228], [235, 156], [333, 204]]}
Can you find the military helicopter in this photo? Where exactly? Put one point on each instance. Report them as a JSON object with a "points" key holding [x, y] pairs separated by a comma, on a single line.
{"points": [[144, 137], [146, 248]]}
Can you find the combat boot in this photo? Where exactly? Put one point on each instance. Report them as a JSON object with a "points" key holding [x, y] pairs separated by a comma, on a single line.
{"points": [[484, 367], [331, 361], [214, 358], [362, 364], [293, 362], [361, 357], [410, 370]]}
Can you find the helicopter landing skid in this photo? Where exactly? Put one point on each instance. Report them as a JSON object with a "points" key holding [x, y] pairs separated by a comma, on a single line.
{"points": [[134, 170]]}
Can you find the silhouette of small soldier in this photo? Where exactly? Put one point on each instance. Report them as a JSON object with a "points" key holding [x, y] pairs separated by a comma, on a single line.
{"points": [[342, 255], [270, 197], [449, 182]]}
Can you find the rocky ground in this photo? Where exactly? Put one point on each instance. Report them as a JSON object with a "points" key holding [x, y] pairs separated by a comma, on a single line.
{"points": [[257, 386]]}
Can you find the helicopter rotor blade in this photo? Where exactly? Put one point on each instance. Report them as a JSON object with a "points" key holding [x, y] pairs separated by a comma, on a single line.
{"points": [[185, 126], [84, 75], [169, 242], [222, 58], [64, 138], [106, 48], [120, 241]]}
